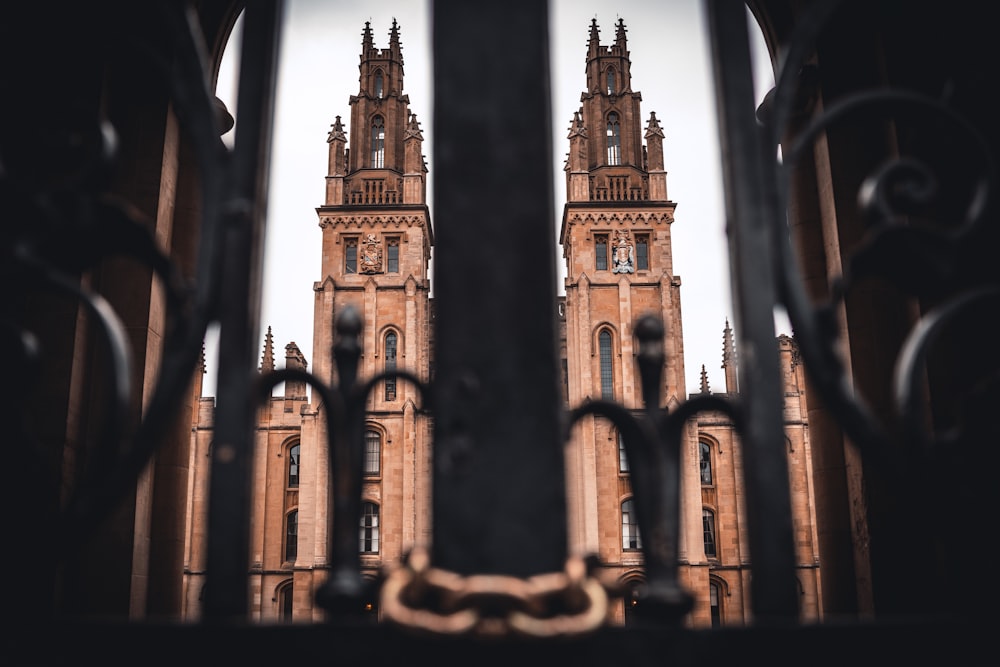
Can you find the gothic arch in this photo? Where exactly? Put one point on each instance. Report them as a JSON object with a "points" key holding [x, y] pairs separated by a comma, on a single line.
{"points": [[711, 440], [385, 330], [596, 332], [284, 600], [292, 447]]}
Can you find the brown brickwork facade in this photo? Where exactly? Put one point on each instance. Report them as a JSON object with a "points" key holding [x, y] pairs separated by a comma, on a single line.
{"points": [[376, 247]]}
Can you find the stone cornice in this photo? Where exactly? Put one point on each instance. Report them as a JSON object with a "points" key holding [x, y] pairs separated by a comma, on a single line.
{"points": [[369, 220], [639, 217]]}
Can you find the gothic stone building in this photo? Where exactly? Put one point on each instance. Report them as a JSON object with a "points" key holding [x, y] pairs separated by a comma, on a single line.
{"points": [[616, 240]]}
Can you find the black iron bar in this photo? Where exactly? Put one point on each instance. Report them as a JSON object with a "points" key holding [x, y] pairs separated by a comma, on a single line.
{"points": [[499, 490], [750, 209], [226, 586]]}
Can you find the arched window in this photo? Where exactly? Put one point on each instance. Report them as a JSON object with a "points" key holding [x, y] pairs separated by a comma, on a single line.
{"points": [[285, 602], [612, 89], [601, 252], [390, 365], [291, 536], [293, 466], [392, 255], [705, 462], [369, 528], [378, 143], [642, 252], [373, 452], [708, 524], [379, 84], [630, 527], [715, 603], [351, 255], [607, 377], [614, 140], [622, 460]]}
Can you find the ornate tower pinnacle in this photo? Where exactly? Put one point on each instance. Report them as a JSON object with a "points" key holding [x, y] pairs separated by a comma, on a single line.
{"points": [[267, 358], [394, 46], [729, 358], [594, 45], [620, 40], [367, 42], [654, 159]]}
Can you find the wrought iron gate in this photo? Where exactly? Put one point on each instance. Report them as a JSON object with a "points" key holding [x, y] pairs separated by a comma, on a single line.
{"points": [[531, 600]]}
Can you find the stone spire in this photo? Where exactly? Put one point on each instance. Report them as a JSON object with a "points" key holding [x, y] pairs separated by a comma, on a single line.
{"points": [[367, 42], [394, 46], [267, 358], [577, 159], [654, 159], [704, 381], [337, 161], [594, 45], [413, 128], [729, 359], [620, 31], [414, 166]]}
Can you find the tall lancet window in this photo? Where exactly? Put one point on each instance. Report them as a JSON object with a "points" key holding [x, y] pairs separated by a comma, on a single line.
{"points": [[379, 84], [607, 379], [614, 140], [612, 89], [630, 527], [390, 366], [378, 143]]}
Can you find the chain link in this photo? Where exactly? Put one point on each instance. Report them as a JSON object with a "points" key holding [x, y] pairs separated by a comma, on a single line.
{"points": [[420, 597]]}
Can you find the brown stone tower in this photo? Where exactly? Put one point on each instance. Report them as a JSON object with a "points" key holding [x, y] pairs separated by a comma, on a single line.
{"points": [[376, 244], [616, 240], [617, 245], [376, 247]]}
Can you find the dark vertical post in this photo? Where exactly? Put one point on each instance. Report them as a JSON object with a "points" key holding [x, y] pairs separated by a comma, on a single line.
{"points": [[499, 489], [749, 212], [226, 587]]}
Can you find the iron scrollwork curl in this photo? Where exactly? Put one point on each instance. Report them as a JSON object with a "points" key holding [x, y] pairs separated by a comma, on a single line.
{"points": [[927, 212], [62, 223]]}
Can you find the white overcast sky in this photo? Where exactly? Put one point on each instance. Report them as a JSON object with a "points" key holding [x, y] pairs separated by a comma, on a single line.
{"points": [[668, 42]]}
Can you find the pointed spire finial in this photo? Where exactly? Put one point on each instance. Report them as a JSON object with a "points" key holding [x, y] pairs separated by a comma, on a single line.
{"points": [[729, 359], [267, 358], [620, 31], [704, 381], [728, 350], [577, 127], [394, 45], [336, 131], [595, 34], [653, 128], [413, 128]]}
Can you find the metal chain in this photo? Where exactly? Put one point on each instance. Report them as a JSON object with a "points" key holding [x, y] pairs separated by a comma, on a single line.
{"points": [[420, 597]]}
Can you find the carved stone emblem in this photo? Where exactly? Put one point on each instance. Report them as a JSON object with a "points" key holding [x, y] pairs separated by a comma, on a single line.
{"points": [[371, 255], [624, 253]]}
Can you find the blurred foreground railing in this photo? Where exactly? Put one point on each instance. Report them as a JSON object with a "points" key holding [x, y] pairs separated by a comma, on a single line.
{"points": [[511, 583]]}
